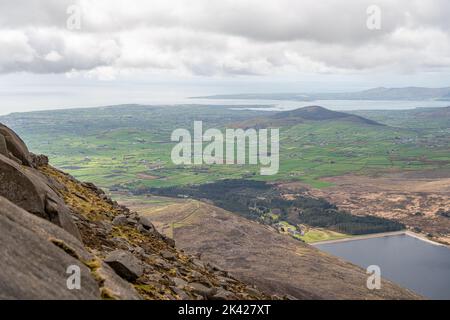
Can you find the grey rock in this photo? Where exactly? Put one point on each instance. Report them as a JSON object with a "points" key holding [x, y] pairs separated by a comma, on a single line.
{"points": [[132, 222], [199, 297], [106, 226], [42, 228], [22, 187], [121, 243], [116, 286], [93, 187], [120, 220], [35, 255], [147, 224], [198, 263], [179, 283], [223, 294], [202, 290], [169, 241], [15, 145], [166, 254], [134, 216], [125, 264], [212, 267], [180, 293], [222, 273], [26, 188], [3, 147], [142, 230], [38, 160], [252, 291], [138, 250], [163, 264], [195, 275]]}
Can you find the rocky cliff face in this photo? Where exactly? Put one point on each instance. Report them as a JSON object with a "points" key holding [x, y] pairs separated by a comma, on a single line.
{"points": [[50, 223]]}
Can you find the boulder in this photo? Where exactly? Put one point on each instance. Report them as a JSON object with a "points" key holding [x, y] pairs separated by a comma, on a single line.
{"points": [[166, 254], [120, 220], [203, 290], [169, 241], [3, 147], [15, 146], [147, 224], [115, 285], [22, 187], [179, 283], [26, 188], [35, 257], [38, 160], [223, 294], [125, 264], [180, 293]]}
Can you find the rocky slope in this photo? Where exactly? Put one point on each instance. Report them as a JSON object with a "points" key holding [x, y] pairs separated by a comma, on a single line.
{"points": [[258, 254], [50, 222]]}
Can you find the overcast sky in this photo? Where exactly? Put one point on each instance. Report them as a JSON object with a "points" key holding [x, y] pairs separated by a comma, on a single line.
{"points": [[144, 51]]}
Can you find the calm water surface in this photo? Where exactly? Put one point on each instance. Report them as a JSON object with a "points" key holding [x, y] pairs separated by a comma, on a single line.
{"points": [[410, 262]]}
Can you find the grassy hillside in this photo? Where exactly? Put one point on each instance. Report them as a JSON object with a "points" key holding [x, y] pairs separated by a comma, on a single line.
{"points": [[265, 203], [431, 119], [303, 115]]}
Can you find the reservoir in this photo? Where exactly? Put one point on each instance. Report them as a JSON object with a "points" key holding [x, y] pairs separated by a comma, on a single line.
{"points": [[416, 264]]}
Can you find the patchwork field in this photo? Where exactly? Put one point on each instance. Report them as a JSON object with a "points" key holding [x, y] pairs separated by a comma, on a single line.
{"points": [[129, 147], [323, 153]]}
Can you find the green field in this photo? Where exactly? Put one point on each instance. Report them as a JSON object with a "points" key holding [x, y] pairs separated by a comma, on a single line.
{"points": [[316, 235], [129, 146]]}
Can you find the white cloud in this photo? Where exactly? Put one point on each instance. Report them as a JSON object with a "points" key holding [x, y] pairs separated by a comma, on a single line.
{"points": [[226, 37]]}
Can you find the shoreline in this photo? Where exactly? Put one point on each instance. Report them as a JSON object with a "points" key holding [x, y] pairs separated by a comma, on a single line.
{"points": [[380, 235]]}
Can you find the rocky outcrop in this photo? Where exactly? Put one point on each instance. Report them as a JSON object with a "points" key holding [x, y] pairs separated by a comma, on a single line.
{"points": [[50, 222], [11, 146], [35, 257], [22, 184], [26, 187]]}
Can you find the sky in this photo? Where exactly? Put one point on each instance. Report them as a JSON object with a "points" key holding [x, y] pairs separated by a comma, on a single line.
{"points": [[69, 53]]}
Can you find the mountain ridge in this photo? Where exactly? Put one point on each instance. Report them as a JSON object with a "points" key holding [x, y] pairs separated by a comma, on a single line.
{"points": [[379, 93], [301, 115]]}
